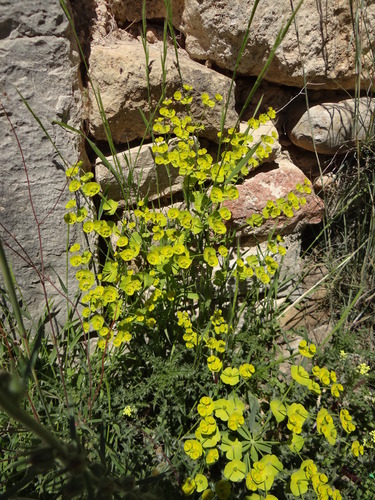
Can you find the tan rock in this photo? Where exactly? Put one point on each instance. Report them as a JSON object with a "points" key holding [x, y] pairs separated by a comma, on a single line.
{"points": [[118, 70], [323, 52], [332, 127], [272, 182], [264, 129]]}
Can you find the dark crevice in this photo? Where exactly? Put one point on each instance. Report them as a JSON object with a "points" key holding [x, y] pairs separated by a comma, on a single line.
{"points": [[84, 16]]}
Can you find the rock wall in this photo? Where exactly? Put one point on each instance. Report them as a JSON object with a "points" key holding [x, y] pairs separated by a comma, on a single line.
{"points": [[324, 61], [39, 60], [310, 82]]}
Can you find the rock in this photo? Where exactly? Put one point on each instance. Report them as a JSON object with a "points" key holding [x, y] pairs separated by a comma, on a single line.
{"points": [[150, 179], [330, 127], [119, 71], [272, 182], [264, 129], [323, 53], [38, 59]]}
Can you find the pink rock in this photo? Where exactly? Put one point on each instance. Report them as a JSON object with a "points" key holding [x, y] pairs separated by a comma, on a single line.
{"points": [[273, 182]]}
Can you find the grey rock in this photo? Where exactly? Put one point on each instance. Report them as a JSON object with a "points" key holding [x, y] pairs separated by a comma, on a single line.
{"points": [[331, 127], [38, 59]]}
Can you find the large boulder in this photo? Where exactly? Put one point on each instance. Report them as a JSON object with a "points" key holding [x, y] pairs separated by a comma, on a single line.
{"points": [[38, 59], [322, 53], [332, 127], [271, 182], [118, 70]]}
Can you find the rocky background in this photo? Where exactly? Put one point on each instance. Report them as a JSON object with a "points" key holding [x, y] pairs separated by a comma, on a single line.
{"points": [[325, 61]]}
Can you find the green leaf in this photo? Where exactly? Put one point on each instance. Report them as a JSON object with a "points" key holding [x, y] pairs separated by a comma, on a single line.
{"points": [[296, 443], [110, 206], [278, 410], [299, 483], [109, 272], [231, 447], [136, 238], [300, 375], [273, 464]]}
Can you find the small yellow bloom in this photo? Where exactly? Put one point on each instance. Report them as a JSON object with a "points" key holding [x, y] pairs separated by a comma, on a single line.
{"points": [[189, 486], [127, 411], [363, 369], [246, 370], [357, 448]]}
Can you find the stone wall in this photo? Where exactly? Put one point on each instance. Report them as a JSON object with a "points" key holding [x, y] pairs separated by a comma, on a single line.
{"points": [[38, 59], [311, 84]]}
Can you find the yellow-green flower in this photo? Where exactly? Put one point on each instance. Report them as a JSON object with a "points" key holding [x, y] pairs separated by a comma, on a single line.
{"points": [[357, 448], [72, 171], [189, 486], [97, 322], [70, 218], [307, 350], [205, 406], [363, 369], [230, 376], [91, 188], [75, 261], [184, 261], [214, 364], [75, 248], [193, 449], [207, 425], [212, 456], [200, 482], [223, 251], [246, 370], [74, 185], [128, 410], [235, 421], [346, 421], [297, 414], [235, 471], [336, 389]]}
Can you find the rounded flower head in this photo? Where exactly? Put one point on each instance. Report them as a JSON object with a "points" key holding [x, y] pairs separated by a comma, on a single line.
{"points": [[235, 421], [230, 376], [363, 369], [207, 425], [246, 370], [214, 364], [307, 350], [235, 471], [90, 188], [212, 456], [189, 486], [357, 448], [193, 449], [200, 482], [205, 406], [346, 421]]}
